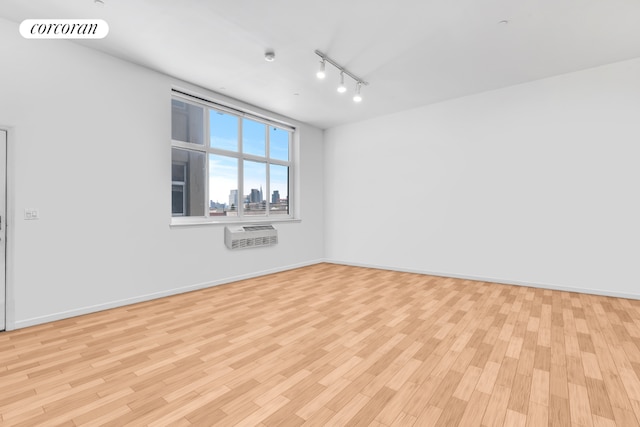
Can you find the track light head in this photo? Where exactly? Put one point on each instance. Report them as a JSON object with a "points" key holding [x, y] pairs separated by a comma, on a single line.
{"points": [[342, 88], [321, 73], [357, 97]]}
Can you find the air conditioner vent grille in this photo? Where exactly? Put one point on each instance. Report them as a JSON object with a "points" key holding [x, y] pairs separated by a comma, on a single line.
{"points": [[258, 227], [250, 236]]}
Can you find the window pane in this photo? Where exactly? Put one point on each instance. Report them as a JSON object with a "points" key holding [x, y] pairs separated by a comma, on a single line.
{"points": [[279, 176], [187, 182], [187, 122], [223, 185], [178, 207], [224, 130], [255, 182], [279, 143], [253, 137]]}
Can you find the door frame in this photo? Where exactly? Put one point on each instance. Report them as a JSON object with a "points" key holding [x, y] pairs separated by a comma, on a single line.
{"points": [[7, 224], [3, 229]]}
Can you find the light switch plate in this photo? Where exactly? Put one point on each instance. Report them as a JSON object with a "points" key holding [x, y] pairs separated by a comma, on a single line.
{"points": [[31, 213]]}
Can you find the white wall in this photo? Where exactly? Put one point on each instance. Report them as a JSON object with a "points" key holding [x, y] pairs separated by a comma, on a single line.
{"points": [[537, 183], [89, 146]]}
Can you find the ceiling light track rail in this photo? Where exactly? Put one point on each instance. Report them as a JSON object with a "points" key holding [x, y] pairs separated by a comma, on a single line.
{"points": [[341, 68]]}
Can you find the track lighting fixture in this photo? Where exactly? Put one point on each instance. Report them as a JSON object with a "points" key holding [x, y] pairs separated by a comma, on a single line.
{"points": [[321, 74], [342, 88], [357, 97]]}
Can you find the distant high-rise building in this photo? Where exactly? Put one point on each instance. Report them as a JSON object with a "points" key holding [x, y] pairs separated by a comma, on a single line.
{"points": [[255, 196], [275, 197], [261, 196], [233, 199]]}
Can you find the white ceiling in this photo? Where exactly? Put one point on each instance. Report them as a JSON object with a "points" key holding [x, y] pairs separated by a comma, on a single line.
{"points": [[412, 52]]}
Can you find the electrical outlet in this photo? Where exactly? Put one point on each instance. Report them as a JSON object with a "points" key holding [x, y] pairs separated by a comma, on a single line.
{"points": [[31, 213]]}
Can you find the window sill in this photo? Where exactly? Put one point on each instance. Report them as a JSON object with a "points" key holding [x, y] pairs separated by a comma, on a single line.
{"points": [[186, 222]]}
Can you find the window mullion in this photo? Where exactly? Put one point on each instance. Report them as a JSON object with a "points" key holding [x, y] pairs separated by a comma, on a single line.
{"points": [[290, 180], [279, 162], [240, 172], [268, 175], [255, 158], [187, 146], [224, 152], [207, 172]]}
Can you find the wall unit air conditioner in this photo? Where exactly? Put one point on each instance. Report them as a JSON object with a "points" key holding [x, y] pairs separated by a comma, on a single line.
{"points": [[250, 236]]}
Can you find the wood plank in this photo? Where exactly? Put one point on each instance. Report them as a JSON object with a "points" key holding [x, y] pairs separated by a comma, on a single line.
{"points": [[559, 411], [579, 405], [496, 410]]}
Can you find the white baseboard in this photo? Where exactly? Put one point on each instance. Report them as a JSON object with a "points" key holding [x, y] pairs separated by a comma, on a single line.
{"points": [[147, 297], [553, 287]]}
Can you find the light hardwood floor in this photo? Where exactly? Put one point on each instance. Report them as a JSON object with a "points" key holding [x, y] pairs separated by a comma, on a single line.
{"points": [[333, 345]]}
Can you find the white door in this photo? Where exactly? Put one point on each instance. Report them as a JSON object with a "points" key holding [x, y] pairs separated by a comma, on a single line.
{"points": [[3, 226]]}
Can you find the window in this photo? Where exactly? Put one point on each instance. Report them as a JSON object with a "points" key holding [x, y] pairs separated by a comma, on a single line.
{"points": [[228, 165]]}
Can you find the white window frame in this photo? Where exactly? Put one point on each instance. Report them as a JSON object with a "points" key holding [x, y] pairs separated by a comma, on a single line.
{"points": [[206, 148]]}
